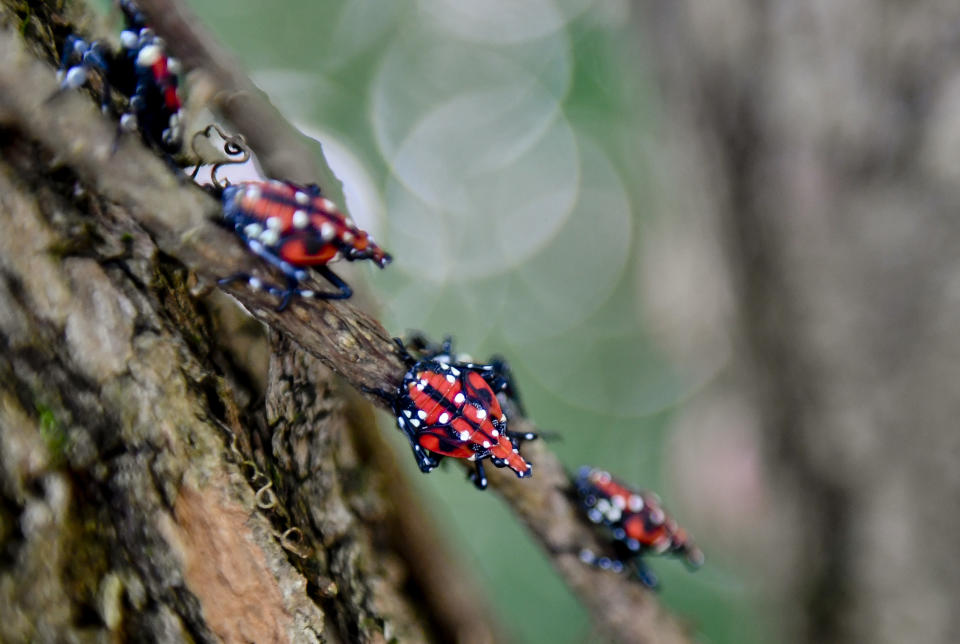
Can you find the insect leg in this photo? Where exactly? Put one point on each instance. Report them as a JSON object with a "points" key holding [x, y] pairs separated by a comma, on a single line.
{"points": [[644, 574], [333, 278], [294, 276], [602, 562], [426, 461], [519, 437], [478, 476], [500, 379], [70, 75]]}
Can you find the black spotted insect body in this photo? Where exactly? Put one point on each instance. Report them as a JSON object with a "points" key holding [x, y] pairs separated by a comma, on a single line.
{"points": [[450, 408], [294, 228], [140, 70], [636, 523]]}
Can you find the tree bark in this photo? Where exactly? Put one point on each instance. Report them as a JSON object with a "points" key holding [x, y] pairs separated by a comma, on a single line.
{"points": [[821, 142]]}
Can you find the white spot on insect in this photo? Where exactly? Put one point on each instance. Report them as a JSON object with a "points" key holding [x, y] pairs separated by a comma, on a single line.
{"points": [[255, 283], [454, 371], [635, 503], [173, 66], [128, 39], [486, 444], [633, 544], [269, 237], [406, 412], [595, 516], [613, 514], [349, 222], [472, 457], [464, 435], [347, 237], [402, 422], [619, 502], [76, 77], [307, 293], [516, 451], [128, 122], [277, 184], [587, 556], [603, 505], [444, 418], [481, 414], [451, 379], [414, 422], [300, 219], [494, 433], [459, 398], [302, 198], [421, 385], [657, 516], [252, 192], [326, 204], [274, 223], [503, 418], [149, 55], [422, 414], [327, 231]]}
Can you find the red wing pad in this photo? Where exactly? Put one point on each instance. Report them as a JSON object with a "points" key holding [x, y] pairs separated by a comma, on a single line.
{"points": [[437, 439]]}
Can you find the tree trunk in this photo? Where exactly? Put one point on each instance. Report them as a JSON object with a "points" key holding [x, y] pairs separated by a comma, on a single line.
{"points": [[821, 141]]}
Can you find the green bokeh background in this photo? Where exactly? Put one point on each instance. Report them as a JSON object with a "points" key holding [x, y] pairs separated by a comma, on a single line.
{"points": [[502, 152]]}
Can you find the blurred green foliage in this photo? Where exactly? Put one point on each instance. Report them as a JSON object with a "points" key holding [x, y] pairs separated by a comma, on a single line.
{"points": [[499, 150]]}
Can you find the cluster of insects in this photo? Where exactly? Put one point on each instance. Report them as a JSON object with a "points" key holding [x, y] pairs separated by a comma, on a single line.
{"points": [[447, 405]]}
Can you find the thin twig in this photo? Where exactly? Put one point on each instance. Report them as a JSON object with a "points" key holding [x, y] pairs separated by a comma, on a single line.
{"points": [[353, 344]]}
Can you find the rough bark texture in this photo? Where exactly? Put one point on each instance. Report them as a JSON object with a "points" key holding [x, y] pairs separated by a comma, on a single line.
{"points": [[148, 488], [824, 140]]}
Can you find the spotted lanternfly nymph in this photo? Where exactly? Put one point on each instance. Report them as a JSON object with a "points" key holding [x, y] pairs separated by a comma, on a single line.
{"points": [[452, 408], [636, 523], [141, 70], [294, 228]]}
